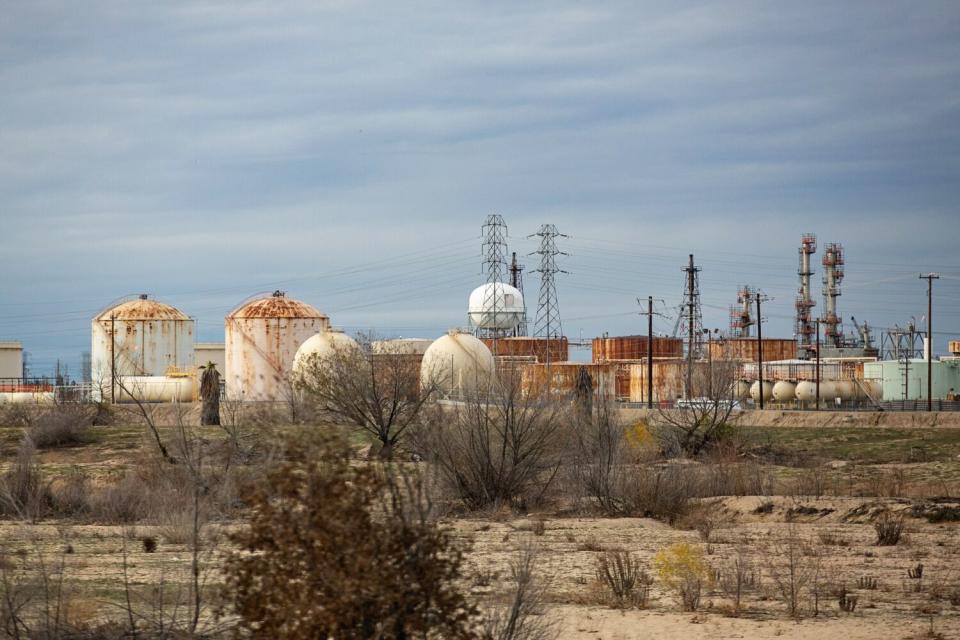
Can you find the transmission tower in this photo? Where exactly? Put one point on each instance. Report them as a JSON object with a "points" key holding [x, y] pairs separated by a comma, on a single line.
{"points": [[494, 265], [690, 318], [516, 281], [548, 308]]}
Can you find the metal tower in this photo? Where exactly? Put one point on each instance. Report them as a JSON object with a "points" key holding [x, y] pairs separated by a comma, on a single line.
{"points": [[548, 309], [832, 276], [805, 326], [494, 265], [741, 315], [690, 319], [516, 281]]}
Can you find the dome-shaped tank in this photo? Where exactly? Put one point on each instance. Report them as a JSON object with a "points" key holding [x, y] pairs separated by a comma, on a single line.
{"points": [[261, 340], [138, 338], [401, 346], [458, 363], [321, 348], [784, 391], [767, 391], [496, 306], [742, 389]]}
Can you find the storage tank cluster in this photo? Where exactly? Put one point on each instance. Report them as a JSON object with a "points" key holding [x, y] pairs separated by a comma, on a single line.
{"points": [[805, 391]]}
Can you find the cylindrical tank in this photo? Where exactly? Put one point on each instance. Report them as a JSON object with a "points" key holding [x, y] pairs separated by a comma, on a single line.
{"points": [[139, 337], [767, 391], [806, 391], [872, 387], [321, 348], [261, 340], [846, 390], [26, 397], [828, 391], [401, 346], [156, 389], [458, 363], [784, 391], [742, 389], [496, 305]]}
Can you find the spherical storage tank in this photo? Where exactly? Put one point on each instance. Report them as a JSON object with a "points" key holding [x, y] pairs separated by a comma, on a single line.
{"points": [[261, 340], [496, 306], [139, 338], [458, 363], [321, 348]]}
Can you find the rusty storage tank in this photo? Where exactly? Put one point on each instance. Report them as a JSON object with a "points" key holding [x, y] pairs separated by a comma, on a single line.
{"points": [[542, 349], [745, 349], [669, 380], [139, 338], [262, 338], [635, 348], [560, 378]]}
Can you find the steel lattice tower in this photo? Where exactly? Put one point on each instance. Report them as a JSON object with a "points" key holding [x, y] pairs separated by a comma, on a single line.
{"points": [[805, 326], [690, 319], [516, 281], [548, 323], [494, 265]]}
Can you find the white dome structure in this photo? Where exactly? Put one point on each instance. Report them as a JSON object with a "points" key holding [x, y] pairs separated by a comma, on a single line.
{"points": [[323, 347], [496, 306], [458, 363]]}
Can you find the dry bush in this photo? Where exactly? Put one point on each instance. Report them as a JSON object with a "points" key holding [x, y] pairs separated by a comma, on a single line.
{"points": [[120, 502], [623, 577], [683, 568], [521, 617], [499, 447], [600, 448], [889, 529], [24, 491], [661, 492], [62, 425], [70, 495], [832, 538], [16, 414], [795, 569], [736, 577], [338, 550]]}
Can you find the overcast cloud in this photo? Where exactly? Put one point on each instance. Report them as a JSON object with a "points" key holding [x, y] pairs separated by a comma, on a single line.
{"points": [[349, 151]]}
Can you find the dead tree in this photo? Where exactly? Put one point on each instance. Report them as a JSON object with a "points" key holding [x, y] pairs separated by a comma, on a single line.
{"points": [[210, 395]]}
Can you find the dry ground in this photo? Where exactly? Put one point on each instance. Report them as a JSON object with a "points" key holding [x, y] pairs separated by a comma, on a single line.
{"points": [[892, 467]]}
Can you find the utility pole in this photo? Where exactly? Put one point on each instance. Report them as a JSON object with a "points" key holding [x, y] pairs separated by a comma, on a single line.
{"points": [[929, 277], [817, 322], [113, 359], [649, 313], [760, 346]]}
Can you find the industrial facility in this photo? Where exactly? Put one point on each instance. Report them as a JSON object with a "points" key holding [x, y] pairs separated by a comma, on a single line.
{"points": [[144, 350]]}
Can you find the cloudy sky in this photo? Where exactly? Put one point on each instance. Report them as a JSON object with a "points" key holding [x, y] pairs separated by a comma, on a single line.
{"points": [[348, 152]]}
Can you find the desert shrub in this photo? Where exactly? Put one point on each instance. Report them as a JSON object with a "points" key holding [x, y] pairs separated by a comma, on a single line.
{"points": [[623, 577], [794, 567], [889, 529], [24, 491], [601, 445], [120, 502], [70, 495], [62, 425], [683, 568], [15, 414], [521, 616], [661, 492], [337, 550], [736, 577]]}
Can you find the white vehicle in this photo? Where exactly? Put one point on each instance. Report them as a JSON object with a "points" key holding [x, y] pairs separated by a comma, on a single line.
{"points": [[707, 404]]}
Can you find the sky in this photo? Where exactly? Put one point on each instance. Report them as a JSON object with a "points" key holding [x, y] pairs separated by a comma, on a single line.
{"points": [[349, 152]]}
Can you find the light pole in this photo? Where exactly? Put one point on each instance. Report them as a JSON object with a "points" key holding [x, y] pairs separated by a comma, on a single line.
{"points": [[929, 277]]}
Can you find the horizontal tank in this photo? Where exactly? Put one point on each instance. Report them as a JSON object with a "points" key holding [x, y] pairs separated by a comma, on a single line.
{"points": [[742, 389], [401, 346], [767, 391], [140, 337], [262, 338], [806, 391], [26, 397], [784, 391], [458, 364], [155, 389]]}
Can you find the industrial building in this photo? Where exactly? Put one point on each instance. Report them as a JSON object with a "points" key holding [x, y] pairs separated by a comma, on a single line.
{"points": [[907, 379], [11, 359]]}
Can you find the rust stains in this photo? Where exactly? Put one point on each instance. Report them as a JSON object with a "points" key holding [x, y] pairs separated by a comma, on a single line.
{"points": [[277, 307], [635, 348], [142, 309]]}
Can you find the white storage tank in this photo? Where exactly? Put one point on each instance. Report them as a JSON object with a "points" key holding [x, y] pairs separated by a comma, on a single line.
{"points": [[496, 305], [806, 392], [137, 338], [262, 338], [784, 391], [742, 389], [324, 346], [458, 363], [767, 391]]}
